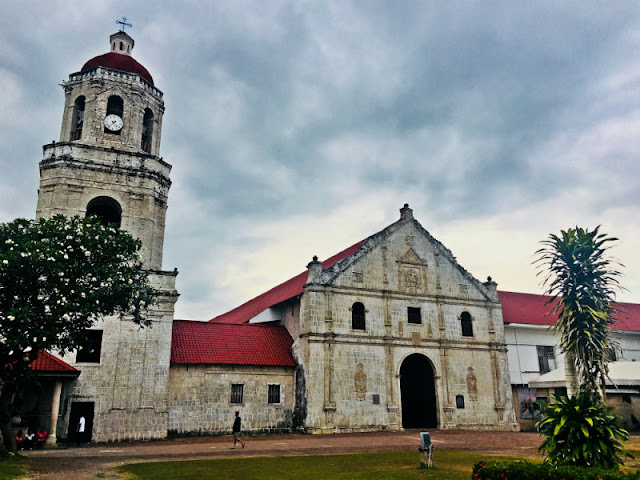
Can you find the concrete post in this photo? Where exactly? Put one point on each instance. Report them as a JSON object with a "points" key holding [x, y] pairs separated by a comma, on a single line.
{"points": [[55, 409]]}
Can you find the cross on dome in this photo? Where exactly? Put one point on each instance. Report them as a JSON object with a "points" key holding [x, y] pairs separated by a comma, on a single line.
{"points": [[124, 23]]}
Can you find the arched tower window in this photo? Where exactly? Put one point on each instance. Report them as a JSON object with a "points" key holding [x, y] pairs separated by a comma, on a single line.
{"points": [[147, 130], [358, 321], [77, 118], [106, 209], [465, 323], [115, 106]]}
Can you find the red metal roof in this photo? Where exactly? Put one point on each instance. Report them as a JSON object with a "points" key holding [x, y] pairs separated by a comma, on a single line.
{"points": [[117, 61], [289, 289], [47, 363], [208, 343], [531, 309]]}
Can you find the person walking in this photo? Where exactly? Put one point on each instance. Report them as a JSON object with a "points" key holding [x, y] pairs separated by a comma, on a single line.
{"points": [[237, 427]]}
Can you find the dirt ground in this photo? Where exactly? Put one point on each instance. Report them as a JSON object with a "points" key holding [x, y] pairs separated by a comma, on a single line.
{"points": [[99, 461]]}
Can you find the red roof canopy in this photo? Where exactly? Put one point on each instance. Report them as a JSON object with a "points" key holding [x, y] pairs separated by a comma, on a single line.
{"points": [[47, 363], [208, 343], [289, 289], [530, 309], [118, 61]]}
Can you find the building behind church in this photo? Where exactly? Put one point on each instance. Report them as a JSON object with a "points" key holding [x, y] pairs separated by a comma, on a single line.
{"points": [[390, 333]]}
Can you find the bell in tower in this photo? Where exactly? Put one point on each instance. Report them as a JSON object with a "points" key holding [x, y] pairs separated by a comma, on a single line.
{"points": [[107, 160]]}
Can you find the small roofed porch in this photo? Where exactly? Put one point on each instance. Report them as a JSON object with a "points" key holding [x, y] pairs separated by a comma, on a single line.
{"points": [[41, 403]]}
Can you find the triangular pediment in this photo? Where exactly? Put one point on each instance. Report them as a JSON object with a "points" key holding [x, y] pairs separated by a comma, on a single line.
{"points": [[404, 257], [411, 257]]}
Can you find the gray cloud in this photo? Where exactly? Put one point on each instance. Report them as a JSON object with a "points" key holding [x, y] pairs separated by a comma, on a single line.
{"points": [[284, 109]]}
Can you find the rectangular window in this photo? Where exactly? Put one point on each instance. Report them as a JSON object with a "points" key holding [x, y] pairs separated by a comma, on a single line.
{"points": [[274, 393], [413, 315], [89, 350], [237, 390], [546, 358]]}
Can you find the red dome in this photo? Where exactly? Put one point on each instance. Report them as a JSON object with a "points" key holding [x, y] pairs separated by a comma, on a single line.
{"points": [[117, 61]]}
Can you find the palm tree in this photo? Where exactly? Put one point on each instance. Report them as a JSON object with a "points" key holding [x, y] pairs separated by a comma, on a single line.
{"points": [[582, 280]]}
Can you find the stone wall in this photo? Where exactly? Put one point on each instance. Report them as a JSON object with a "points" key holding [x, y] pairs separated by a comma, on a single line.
{"points": [[129, 384], [199, 399], [353, 375]]}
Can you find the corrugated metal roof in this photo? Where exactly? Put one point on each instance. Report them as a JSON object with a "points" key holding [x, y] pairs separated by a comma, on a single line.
{"points": [[289, 289], [531, 309], [209, 343]]}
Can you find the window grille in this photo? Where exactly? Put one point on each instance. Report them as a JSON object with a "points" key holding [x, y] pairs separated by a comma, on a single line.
{"points": [[237, 390], [274, 393], [546, 358], [413, 315]]}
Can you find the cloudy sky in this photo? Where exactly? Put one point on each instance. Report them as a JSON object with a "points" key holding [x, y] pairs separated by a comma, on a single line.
{"points": [[299, 128]]}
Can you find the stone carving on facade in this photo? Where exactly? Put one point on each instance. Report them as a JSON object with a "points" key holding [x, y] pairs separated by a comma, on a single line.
{"points": [[361, 382], [472, 384], [357, 277], [412, 272], [410, 240], [411, 278], [463, 289]]}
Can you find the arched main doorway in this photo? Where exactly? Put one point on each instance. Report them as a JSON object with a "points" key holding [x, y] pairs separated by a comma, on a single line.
{"points": [[418, 393]]}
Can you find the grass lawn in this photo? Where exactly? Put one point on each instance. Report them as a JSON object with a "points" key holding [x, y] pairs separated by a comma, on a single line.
{"points": [[11, 468], [389, 465]]}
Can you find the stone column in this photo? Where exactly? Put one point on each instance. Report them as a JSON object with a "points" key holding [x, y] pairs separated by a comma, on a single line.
{"points": [[55, 409], [444, 375]]}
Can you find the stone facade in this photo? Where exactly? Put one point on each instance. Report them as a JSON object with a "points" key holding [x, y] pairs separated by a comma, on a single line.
{"points": [[352, 375]]}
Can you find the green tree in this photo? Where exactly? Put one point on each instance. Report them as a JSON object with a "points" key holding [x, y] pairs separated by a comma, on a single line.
{"points": [[582, 281], [57, 277]]}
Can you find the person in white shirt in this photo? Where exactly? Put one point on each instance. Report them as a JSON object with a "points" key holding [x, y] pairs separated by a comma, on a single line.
{"points": [[80, 430]]}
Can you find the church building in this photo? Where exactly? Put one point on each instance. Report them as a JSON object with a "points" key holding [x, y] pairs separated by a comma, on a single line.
{"points": [[390, 333]]}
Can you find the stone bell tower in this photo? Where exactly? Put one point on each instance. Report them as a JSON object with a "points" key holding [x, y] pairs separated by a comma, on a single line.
{"points": [[107, 163]]}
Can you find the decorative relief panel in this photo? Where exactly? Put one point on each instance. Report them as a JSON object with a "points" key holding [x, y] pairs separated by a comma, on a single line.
{"points": [[412, 278], [357, 277], [412, 274], [361, 382], [472, 384]]}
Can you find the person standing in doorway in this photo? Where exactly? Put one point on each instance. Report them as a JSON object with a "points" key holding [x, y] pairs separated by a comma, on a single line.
{"points": [[80, 430], [237, 427]]}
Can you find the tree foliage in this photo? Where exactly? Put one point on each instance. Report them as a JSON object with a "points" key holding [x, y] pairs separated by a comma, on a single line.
{"points": [[582, 430], [582, 280], [57, 277]]}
